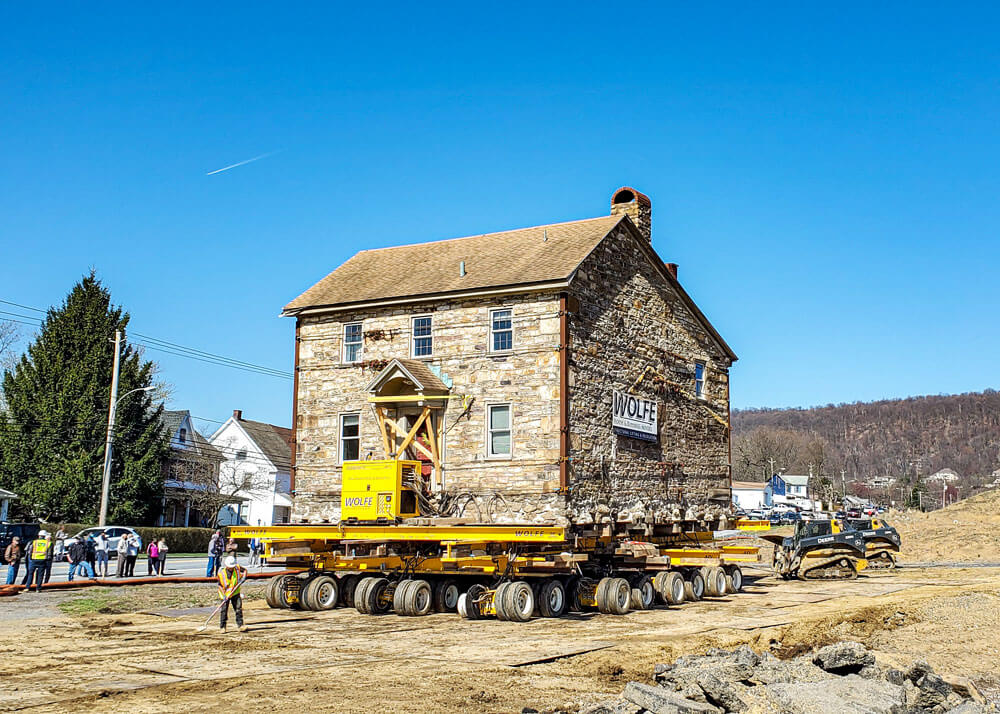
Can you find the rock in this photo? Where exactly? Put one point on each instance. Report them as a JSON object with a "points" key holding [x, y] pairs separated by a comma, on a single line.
{"points": [[873, 671], [965, 688], [969, 708], [845, 695], [917, 670], [894, 676], [660, 701], [661, 669], [931, 682], [771, 670], [613, 706], [843, 657], [745, 656], [721, 693]]}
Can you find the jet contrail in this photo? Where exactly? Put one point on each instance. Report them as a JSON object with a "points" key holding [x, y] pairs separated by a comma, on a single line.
{"points": [[248, 161]]}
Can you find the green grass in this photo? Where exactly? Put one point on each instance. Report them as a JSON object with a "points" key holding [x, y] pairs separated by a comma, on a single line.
{"points": [[97, 600]]}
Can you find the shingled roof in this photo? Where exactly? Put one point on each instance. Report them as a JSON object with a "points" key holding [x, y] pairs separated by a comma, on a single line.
{"points": [[527, 256], [274, 441]]}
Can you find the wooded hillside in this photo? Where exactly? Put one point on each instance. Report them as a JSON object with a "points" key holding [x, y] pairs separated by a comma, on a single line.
{"points": [[895, 438]]}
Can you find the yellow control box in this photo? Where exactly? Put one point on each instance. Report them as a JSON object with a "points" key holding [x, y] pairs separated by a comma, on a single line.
{"points": [[373, 491]]}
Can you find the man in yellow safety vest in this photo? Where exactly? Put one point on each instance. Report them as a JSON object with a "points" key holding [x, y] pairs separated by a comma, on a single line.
{"points": [[39, 557], [231, 577]]}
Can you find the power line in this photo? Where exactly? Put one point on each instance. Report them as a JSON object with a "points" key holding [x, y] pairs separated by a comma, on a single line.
{"points": [[212, 354], [26, 307]]}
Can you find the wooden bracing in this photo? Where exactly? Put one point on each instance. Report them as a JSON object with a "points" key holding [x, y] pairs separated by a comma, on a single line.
{"points": [[390, 431]]}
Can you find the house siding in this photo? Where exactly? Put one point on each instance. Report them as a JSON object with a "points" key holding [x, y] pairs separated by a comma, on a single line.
{"points": [[632, 331]]}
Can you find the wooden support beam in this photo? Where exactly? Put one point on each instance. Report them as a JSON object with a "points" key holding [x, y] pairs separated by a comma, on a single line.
{"points": [[416, 444], [435, 454], [413, 432], [383, 432]]}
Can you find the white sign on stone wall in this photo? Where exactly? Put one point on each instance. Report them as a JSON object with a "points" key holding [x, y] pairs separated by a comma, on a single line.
{"points": [[633, 417]]}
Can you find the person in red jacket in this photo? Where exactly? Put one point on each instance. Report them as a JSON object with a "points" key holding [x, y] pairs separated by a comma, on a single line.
{"points": [[231, 577]]}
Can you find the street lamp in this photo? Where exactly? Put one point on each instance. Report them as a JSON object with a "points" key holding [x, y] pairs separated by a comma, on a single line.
{"points": [[106, 486]]}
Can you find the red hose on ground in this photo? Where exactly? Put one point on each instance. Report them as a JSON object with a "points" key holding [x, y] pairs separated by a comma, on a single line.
{"points": [[8, 590]]}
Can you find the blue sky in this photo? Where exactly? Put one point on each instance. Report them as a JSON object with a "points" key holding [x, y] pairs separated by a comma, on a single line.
{"points": [[825, 177]]}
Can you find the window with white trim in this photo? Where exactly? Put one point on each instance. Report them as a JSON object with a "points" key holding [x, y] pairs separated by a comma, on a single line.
{"points": [[423, 341], [501, 331], [699, 380], [352, 342], [350, 437], [498, 431]]}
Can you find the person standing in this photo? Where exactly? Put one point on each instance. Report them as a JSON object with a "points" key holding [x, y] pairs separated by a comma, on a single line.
{"points": [[254, 553], [48, 559], [12, 557], [92, 553], [133, 554], [38, 553], [230, 579], [215, 548], [101, 555], [232, 547], [161, 556], [122, 551], [61, 536], [77, 556], [152, 558]]}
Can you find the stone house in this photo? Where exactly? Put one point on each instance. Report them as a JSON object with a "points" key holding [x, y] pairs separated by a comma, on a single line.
{"points": [[556, 374], [257, 467]]}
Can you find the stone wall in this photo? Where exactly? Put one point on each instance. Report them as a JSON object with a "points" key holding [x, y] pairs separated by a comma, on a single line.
{"points": [[527, 377], [631, 323]]}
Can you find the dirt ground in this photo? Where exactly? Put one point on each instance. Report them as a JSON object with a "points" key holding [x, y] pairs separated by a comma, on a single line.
{"points": [[106, 651], [967, 531]]}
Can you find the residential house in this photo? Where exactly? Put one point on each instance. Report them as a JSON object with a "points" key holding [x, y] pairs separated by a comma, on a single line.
{"points": [[556, 374], [791, 489], [190, 471], [750, 496], [257, 467], [944, 475]]}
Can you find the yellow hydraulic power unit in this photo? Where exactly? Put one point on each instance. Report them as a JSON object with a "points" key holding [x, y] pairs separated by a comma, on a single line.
{"points": [[376, 491]]}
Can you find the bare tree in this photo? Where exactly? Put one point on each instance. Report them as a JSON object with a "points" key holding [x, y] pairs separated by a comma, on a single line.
{"points": [[9, 336]]}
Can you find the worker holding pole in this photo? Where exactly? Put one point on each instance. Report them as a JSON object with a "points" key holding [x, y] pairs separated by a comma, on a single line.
{"points": [[231, 577]]}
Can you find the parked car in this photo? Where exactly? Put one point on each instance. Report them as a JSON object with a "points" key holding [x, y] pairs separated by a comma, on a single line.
{"points": [[25, 531], [757, 515], [789, 518], [114, 534]]}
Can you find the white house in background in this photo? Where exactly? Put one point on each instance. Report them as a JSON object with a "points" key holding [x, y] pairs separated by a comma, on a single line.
{"points": [[946, 475], [5, 498], [749, 495], [258, 457]]}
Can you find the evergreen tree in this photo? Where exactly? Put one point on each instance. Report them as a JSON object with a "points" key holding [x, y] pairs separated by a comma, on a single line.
{"points": [[53, 433]]}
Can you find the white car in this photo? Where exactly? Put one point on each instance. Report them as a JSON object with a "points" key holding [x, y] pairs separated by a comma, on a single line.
{"points": [[114, 534]]}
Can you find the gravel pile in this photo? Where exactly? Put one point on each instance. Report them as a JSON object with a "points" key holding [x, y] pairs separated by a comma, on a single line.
{"points": [[842, 677]]}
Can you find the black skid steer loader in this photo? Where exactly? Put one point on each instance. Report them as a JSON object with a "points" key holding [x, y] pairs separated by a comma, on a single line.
{"points": [[818, 550]]}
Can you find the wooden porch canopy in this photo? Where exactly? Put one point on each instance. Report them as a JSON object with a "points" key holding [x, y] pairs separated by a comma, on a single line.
{"points": [[408, 383]]}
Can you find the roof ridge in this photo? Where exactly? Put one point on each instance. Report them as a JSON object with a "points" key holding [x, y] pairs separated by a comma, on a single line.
{"points": [[492, 233]]}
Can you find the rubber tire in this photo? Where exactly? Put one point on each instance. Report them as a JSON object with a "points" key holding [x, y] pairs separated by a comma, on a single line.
{"points": [[519, 601], [499, 602], [552, 589], [445, 590], [321, 583], [614, 595], [361, 595], [399, 603], [674, 584], [373, 597], [715, 582], [271, 592], [419, 598], [734, 579], [348, 583], [466, 604], [694, 587], [305, 595], [643, 594], [281, 594]]}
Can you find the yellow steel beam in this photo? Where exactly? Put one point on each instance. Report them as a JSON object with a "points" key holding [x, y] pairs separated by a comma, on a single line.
{"points": [[483, 533], [747, 525]]}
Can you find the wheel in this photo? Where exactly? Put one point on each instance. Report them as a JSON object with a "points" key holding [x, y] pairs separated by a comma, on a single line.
{"points": [[375, 597], [271, 591], [518, 601], [715, 582], [419, 598], [613, 596], [499, 602], [674, 585], [347, 585], [573, 603], [468, 607], [321, 593], [643, 594], [734, 580], [694, 587], [305, 595], [552, 599], [446, 594], [400, 605], [361, 595], [289, 592]]}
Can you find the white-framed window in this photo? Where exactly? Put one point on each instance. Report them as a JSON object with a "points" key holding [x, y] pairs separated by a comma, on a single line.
{"points": [[699, 380], [353, 340], [241, 455], [423, 341], [498, 431], [501, 330], [350, 437]]}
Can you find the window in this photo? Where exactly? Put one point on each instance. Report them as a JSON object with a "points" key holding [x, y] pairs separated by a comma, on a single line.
{"points": [[498, 430], [422, 341], [699, 380], [183, 436], [241, 455], [501, 331], [350, 437], [352, 342]]}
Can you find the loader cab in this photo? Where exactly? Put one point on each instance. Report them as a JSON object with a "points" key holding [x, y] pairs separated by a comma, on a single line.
{"points": [[814, 529]]}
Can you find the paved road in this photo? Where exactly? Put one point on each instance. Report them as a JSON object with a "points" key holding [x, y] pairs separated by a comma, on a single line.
{"points": [[175, 566]]}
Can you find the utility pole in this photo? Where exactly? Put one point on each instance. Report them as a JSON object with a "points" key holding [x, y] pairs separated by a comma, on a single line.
{"points": [[843, 481], [112, 405]]}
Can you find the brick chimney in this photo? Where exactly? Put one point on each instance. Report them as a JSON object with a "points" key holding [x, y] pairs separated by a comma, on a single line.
{"points": [[238, 414], [636, 206], [672, 269]]}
